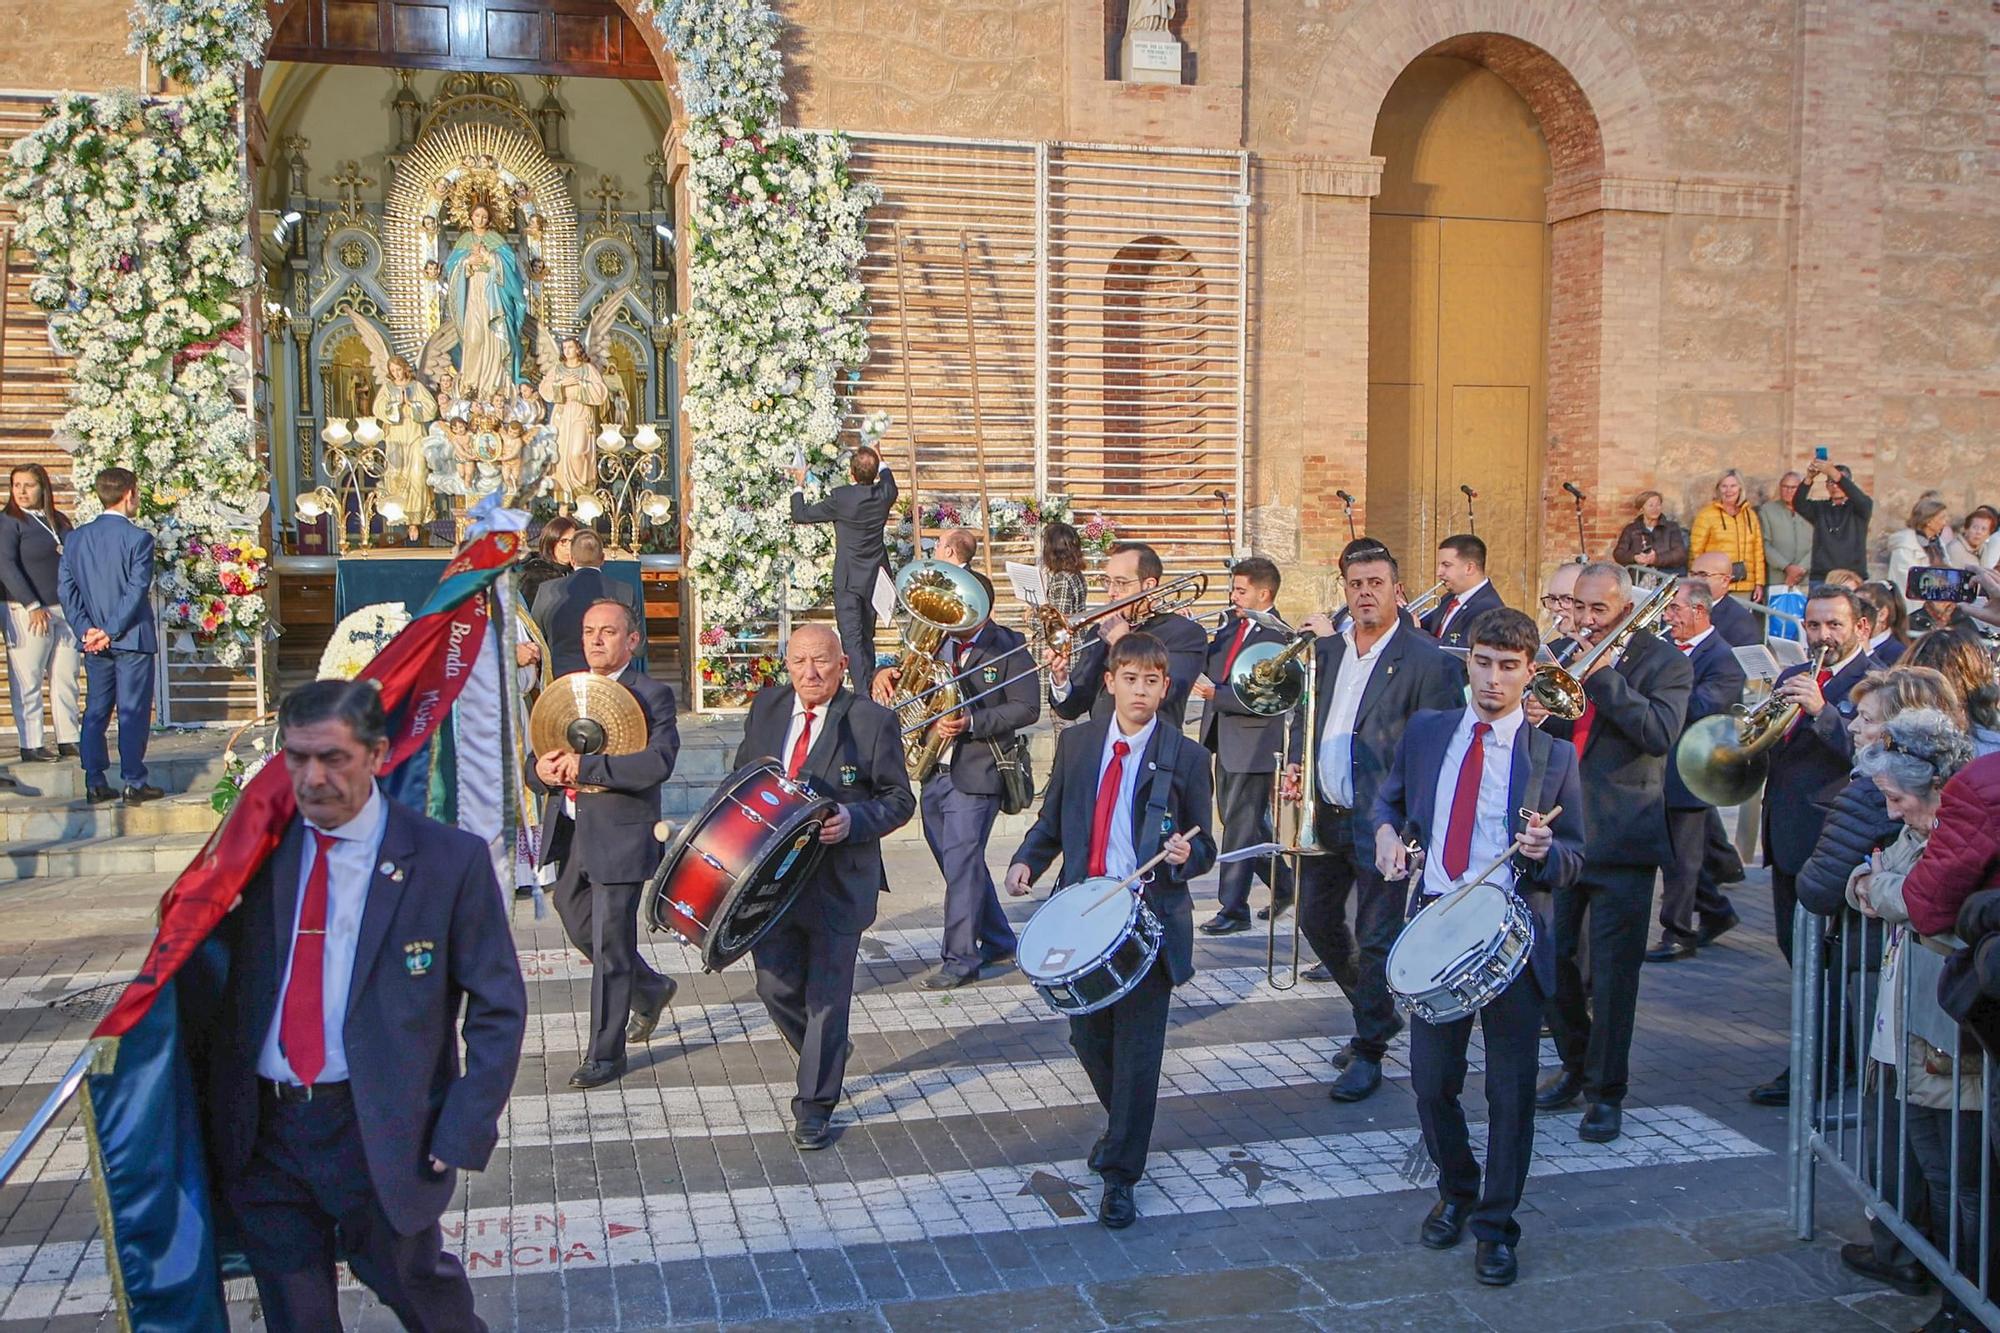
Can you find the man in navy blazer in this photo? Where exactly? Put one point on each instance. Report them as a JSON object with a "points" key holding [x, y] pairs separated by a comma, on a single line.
{"points": [[561, 602], [858, 512], [1461, 567], [1687, 889], [370, 944], [1450, 794], [106, 582], [847, 747], [604, 845], [1126, 788], [1736, 624], [1076, 685]]}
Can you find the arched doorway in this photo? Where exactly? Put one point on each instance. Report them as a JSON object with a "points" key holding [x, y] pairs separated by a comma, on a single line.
{"points": [[1458, 319]]}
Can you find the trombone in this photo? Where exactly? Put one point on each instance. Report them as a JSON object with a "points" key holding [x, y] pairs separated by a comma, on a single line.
{"points": [[1558, 686]]}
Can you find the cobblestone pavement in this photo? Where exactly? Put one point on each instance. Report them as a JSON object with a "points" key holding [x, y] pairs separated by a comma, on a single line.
{"points": [[956, 1192]]}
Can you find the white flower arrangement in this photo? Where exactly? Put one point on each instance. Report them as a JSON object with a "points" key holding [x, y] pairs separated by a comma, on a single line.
{"points": [[201, 40], [775, 311], [358, 637]]}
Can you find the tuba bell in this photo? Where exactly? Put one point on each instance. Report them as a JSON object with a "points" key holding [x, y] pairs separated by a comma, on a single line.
{"points": [[938, 600]]}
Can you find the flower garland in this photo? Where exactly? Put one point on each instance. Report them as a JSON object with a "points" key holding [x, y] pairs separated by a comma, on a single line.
{"points": [[136, 212], [774, 314]]}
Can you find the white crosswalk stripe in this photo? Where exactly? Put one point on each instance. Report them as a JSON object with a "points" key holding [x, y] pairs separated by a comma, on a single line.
{"points": [[69, 1277]]}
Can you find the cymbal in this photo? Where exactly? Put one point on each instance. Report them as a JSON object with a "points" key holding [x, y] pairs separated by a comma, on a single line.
{"points": [[585, 713]]}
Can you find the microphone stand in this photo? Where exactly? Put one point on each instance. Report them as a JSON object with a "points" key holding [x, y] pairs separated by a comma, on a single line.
{"points": [[1471, 523], [1348, 500]]}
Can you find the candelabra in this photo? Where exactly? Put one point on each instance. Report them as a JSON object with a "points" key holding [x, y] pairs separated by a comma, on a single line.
{"points": [[628, 500], [354, 459]]}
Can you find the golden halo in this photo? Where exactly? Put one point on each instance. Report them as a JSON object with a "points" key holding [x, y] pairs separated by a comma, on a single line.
{"points": [[477, 187]]}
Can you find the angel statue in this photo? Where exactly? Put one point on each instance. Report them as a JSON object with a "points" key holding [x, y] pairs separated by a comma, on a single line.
{"points": [[405, 409], [486, 295], [576, 387]]}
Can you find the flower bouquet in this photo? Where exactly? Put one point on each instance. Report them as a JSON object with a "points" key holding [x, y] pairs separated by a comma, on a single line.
{"points": [[1099, 534]]}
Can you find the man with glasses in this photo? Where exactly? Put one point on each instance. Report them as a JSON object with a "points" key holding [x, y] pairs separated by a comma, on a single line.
{"points": [[1560, 600], [1738, 625], [1076, 687]]}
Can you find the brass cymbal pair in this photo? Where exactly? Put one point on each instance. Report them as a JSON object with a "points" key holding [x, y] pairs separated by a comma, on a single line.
{"points": [[585, 713]]}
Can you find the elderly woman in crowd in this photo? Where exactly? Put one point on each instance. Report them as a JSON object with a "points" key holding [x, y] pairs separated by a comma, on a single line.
{"points": [[1980, 535], [1651, 538], [1959, 655], [1927, 540], [1729, 524]]}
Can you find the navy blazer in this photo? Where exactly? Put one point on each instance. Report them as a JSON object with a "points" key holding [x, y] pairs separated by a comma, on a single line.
{"points": [[1414, 675], [105, 581], [1407, 806], [1062, 828], [558, 611], [1187, 653], [1718, 687], [31, 560], [434, 940], [1244, 741], [856, 758], [1641, 705], [858, 513], [1809, 768], [989, 662], [613, 830], [1485, 599], [1738, 625]]}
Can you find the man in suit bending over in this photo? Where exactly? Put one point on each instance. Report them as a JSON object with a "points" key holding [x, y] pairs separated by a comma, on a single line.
{"points": [[560, 603], [1461, 567], [858, 512], [368, 946], [1466, 783], [847, 747], [603, 843], [1125, 788], [1076, 681], [106, 581]]}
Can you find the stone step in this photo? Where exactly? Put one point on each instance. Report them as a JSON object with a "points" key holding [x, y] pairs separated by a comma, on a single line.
{"points": [[151, 854], [193, 772], [51, 819]]}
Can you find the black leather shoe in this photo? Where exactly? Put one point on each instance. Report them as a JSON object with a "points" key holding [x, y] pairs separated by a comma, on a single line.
{"points": [[646, 1017], [67, 750], [142, 793], [1096, 1159], [1117, 1210], [36, 756], [1558, 1090], [1602, 1123], [1358, 1081], [1280, 905], [1778, 1092], [811, 1135], [1223, 924], [99, 795], [1318, 972], [998, 960], [597, 1073], [1444, 1225], [1712, 930], [1493, 1263], [1910, 1279], [946, 979], [1669, 951]]}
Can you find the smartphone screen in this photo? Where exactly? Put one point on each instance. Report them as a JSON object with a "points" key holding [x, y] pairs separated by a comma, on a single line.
{"points": [[1937, 583], [1820, 453]]}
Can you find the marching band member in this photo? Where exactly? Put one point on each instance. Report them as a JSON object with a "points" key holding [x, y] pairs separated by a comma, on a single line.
{"points": [[1074, 689], [858, 512], [1559, 600], [1125, 788], [1736, 623], [1372, 679], [1624, 741], [848, 748], [604, 845], [1463, 786], [1687, 889], [1461, 567], [1245, 746]]}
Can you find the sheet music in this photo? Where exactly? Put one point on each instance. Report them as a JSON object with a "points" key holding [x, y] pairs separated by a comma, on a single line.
{"points": [[1027, 582], [884, 596], [1758, 663]]}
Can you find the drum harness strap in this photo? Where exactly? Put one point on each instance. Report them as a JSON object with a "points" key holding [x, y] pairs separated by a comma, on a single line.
{"points": [[1157, 794]]}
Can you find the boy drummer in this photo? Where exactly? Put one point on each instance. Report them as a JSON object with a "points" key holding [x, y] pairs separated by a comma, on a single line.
{"points": [[1125, 788], [1465, 784]]}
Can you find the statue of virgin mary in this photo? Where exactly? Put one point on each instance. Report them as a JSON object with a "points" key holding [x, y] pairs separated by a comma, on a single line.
{"points": [[487, 291]]}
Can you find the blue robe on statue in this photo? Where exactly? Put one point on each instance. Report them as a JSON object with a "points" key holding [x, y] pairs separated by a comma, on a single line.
{"points": [[489, 309]]}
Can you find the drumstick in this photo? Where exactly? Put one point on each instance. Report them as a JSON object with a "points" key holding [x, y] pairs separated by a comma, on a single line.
{"points": [[1134, 877], [1458, 894]]}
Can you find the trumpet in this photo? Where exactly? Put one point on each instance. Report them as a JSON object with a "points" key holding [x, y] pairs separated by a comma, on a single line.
{"points": [[1426, 601], [1724, 758], [1558, 686]]}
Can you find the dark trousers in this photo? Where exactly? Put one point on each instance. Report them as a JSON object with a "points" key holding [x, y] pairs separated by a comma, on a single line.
{"points": [[805, 977], [1593, 1024], [1687, 888], [1784, 898], [1512, 1022], [602, 921], [1930, 1130], [1243, 801], [957, 825], [1358, 958], [122, 681], [854, 617], [1120, 1047], [305, 1202]]}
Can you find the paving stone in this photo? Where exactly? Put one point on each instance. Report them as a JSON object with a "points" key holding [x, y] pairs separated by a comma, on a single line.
{"points": [[1580, 1302], [1830, 1316], [1245, 1291], [1060, 1309]]}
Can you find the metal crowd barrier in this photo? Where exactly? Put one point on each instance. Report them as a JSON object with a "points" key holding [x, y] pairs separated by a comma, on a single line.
{"points": [[1851, 1117]]}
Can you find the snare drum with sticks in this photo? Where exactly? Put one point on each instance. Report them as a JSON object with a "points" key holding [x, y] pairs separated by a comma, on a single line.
{"points": [[1086, 947], [1460, 952]]}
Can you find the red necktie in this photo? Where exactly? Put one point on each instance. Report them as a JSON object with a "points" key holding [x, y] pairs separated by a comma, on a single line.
{"points": [[1688, 648], [1465, 803], [1579, 731], [800, 747], [1107, 806], [1444, 615], [1235, 646], [302, 1026]]}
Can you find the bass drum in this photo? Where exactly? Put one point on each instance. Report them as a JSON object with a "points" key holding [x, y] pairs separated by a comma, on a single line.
{"points": [[734, 869]]}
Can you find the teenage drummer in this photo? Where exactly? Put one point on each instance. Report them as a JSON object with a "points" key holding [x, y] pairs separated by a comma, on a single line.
{"points": [[1463, 787], [1126, 788]]}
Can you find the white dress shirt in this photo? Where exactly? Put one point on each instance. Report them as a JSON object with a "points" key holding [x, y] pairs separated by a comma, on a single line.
{"points": [[1121, 858], [797, 725], [1458, 601], [1336, 747], [1687, 648], [350, 870], [1490, 835]]}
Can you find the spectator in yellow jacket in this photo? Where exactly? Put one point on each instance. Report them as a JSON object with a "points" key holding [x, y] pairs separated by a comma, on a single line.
{"points": [[1729, 525]]}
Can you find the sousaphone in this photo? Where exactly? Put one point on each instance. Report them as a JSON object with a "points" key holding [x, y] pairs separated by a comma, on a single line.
{"points": [[585, 713]]}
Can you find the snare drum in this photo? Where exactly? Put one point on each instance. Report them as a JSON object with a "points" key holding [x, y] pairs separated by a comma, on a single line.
{"points": [[1082, 955], [1459, 953], [733, 870]]}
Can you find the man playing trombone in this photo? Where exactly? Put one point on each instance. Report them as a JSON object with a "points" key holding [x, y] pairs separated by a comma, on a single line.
{"points": [[1076, 673]]}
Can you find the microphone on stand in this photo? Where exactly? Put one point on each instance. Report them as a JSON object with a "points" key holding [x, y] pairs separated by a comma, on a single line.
{"points": [[1582, 544], [1570, 486], [1348, 500], [1229, 522], [1471, 523]]}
